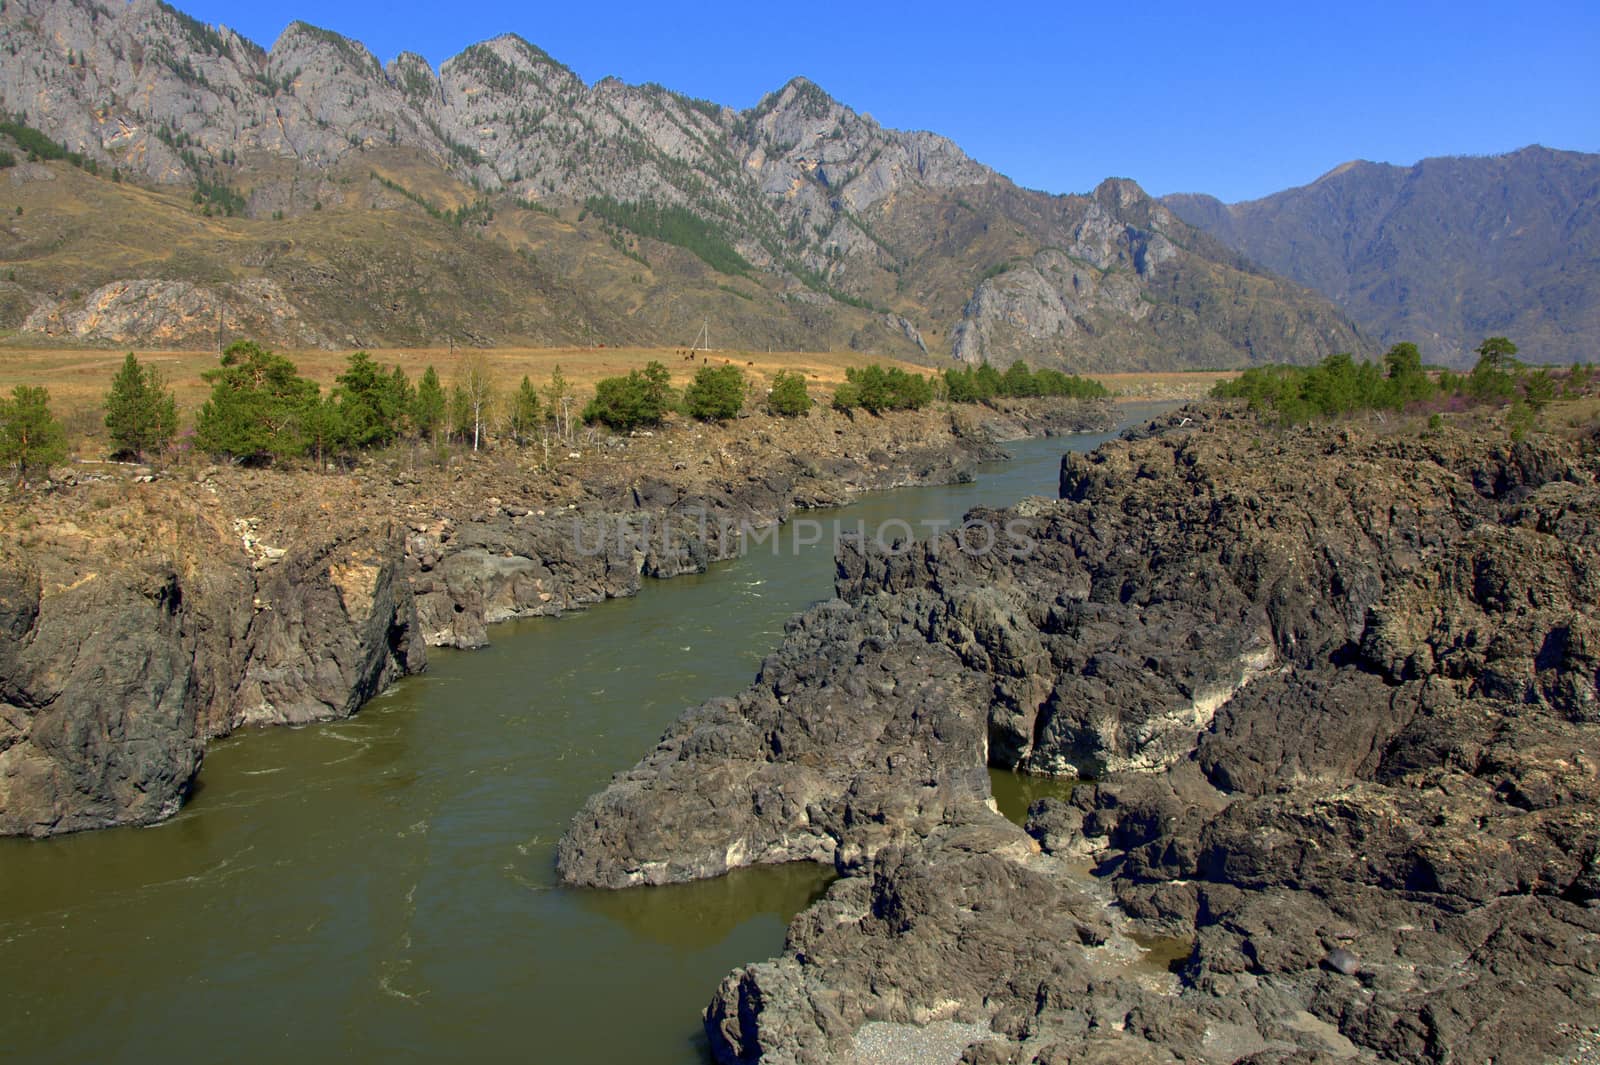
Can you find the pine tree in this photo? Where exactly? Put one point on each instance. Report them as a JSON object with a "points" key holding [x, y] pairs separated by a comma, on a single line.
{"points": [[1018, 381], [258, 405], [368, 403], [30, 437], [460, 413], [641, 398], [326, 430], [404, 398], [1408, 382], [141, 413], [1497, 353], [524, 411], [427, 409]]}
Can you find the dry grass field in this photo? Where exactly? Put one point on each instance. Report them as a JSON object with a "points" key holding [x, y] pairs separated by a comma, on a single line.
{"points": [[1146, 386], [79, 377]]}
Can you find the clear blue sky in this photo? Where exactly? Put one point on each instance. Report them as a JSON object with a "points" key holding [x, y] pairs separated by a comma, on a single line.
{"points": [[1238, 100]]}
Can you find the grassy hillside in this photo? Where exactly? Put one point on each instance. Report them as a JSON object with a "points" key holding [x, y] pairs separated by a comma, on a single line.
{"points": [[371, 255]]}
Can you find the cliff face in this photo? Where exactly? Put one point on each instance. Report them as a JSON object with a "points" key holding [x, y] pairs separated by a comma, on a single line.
{"points": [[1335, 689], [140, 618], [1443, 253], [830, 229], [116, 670]]}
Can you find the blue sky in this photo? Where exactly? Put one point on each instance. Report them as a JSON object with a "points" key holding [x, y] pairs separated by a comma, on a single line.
{"points": [[1238, 100]]}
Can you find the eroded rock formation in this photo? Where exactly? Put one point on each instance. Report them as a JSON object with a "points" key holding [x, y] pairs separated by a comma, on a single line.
{"points": [[1337, 686], [113, 678]]}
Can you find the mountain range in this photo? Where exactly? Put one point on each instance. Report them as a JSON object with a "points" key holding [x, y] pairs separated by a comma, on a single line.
{"points": [[312, 195], [176, 184], [1443, 253]]}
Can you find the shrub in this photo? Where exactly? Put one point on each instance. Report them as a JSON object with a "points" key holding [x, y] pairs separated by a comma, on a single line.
{"points": [[1577, 382], [716, 394], [788, 396], [1520, 419], [641, 398]]}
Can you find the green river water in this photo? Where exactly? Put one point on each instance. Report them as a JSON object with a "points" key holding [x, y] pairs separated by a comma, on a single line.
{"points": [[382, 889]]}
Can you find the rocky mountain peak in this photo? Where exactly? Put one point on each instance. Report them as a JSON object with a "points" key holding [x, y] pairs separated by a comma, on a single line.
{"points": [[303, 42], [816, 205], [414, 76], [1119, 193], [799, 116]]}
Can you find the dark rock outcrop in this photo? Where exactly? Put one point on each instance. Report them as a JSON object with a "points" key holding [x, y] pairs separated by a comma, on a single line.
{"points": [[110, 685], [1337, 690], [496, 566]]}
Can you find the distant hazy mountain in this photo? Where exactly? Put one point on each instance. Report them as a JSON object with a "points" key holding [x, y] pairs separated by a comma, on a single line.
{"points": [[1443, 253], [313, 195]]}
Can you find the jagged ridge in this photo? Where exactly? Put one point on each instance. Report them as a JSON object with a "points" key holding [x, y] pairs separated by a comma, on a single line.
{"points": [[858, 234], [1443, 253]]}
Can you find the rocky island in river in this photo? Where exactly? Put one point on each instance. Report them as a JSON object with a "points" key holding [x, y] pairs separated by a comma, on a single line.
{"points": [[1332, 694]]}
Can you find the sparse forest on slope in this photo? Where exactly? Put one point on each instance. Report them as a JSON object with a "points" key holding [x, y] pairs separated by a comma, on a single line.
{"points": [[228, 190], [1442, 253]]}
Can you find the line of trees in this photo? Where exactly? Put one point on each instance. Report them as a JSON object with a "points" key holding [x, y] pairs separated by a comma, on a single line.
{"points": [[1339, 385], [980, 384], [876, 389], [717, 393], [261, 409]]}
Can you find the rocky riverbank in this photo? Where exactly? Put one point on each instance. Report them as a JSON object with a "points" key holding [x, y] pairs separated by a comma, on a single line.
{"points": [[1337, 690], [144, 613]]}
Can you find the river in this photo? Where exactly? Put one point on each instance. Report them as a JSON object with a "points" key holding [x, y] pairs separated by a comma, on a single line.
{"points": [[381, 889]]}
